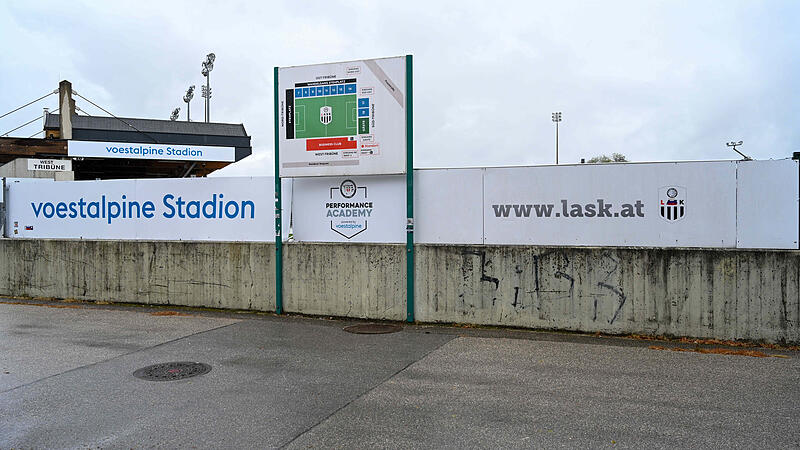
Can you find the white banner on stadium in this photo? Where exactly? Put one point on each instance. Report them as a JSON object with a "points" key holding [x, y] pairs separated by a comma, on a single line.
{"points": [[173, 152], [689, 204], [343, 119], [349, 209], [448, 206], [216, 209], [767, 204]]}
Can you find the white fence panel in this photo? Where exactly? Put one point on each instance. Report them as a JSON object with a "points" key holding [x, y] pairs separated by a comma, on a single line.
{"points": [[350, 209], [447, 206], [217, 209], [767, 204], [690, 204]]}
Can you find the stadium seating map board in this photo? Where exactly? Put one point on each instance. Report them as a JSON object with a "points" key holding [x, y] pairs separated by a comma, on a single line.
{"points": [[342, 118]]}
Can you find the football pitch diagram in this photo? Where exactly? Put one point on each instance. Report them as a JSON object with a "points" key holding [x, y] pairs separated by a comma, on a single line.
{"points": [[343, 118], [329, 116]]}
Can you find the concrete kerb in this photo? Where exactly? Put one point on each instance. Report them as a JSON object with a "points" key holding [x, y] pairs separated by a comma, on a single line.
{"points": [[453, 329]]}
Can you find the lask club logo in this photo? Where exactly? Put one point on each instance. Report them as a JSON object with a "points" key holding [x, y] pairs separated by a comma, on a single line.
{"points": [[325, 115], [672, 203], [348, 209]]}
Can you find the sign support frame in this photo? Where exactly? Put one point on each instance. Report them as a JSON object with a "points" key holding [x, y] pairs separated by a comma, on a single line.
{"points": [[410, 275], [278, 218], [3, 208], [409, 192]]}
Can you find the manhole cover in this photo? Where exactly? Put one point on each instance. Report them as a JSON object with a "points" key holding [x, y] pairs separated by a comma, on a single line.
{"points": [[373, 328], [172, 371]]}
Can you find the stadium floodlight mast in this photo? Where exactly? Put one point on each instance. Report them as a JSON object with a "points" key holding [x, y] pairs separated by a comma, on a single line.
{"points": [[208, 66], [187, 98], [556, 118], [174, 116], [735, 144]]}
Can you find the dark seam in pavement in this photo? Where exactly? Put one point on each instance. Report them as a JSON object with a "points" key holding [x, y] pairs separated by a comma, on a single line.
{"points": [[380, 383], [115, 357]]}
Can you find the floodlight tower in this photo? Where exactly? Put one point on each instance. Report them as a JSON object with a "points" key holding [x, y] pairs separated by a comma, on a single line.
{"points": [[556, 118], [187, 98], [208, 66], [174, 116]]}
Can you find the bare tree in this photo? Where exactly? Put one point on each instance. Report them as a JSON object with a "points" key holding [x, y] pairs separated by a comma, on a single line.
{"points": [[615, 157]]}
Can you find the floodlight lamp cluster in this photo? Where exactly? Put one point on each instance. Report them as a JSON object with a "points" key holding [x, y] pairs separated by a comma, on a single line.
{"points": [[556, 116], [205, 92], [208, 64], [189, 94], [174, 115], [734, 143]]}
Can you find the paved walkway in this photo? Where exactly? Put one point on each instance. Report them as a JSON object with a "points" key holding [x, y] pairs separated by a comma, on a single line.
{"points": [[66, 381]]}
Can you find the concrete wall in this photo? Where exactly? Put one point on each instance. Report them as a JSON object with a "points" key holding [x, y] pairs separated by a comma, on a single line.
{"points": [[212, 274], [727, 294], [352, 280]]}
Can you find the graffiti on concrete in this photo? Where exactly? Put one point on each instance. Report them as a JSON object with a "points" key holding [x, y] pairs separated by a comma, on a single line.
{"points": [[551, 278]]}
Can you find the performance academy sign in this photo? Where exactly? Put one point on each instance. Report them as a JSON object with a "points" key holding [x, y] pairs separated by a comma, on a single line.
{"points": [[690, 204], [218, 209], [343, 119], [172, 152], [349, 209]]}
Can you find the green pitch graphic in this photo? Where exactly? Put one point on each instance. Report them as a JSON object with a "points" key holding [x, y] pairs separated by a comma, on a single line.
{"points": [[308, 121]]}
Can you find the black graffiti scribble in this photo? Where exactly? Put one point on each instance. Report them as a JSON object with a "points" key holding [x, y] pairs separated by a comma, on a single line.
{"points": [[484, 276], [560, 274], [621, 296]]}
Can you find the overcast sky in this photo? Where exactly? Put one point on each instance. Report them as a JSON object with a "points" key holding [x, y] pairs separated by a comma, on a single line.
{"points": [[653, 80]]}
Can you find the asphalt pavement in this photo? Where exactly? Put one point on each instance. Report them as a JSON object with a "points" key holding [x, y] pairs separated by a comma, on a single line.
{"points": [[66, 381]]}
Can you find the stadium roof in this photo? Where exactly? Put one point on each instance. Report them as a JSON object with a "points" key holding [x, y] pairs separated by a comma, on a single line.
{"points": [[133, 131], [149, 125]]}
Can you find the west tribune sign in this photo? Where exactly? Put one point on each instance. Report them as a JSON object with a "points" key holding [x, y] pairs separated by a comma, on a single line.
{"points": [[50, 165]]}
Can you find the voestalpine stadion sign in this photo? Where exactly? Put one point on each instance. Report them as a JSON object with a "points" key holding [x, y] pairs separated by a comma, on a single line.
{"points": [[173, 152]]}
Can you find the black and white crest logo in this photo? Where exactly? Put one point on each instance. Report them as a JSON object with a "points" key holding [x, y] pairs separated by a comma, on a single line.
{"points": [[325, 115], [348, 209], [672, 203], [347, 189]]}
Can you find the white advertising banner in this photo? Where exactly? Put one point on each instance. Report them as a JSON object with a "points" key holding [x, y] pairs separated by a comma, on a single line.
{"points": [[343, 119], [349, 209], [216, 209], [448, 206], [173, 152], [767, 204], [690, 204]]}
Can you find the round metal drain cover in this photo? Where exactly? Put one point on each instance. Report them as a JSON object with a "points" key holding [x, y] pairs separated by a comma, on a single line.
{"points": [[172, 371], [373, 328]]}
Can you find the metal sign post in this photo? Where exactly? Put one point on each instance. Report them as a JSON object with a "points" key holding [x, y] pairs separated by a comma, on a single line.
{"points": [[3, 230], [409, 193], [278, 218]]}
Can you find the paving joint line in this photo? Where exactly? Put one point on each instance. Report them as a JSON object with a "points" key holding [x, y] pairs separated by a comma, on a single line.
{"points": [[115, 357], [380, 383]]}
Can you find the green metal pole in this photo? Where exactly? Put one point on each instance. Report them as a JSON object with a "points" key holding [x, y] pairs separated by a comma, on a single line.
{"points": [[278, 231], [409, 191]]}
